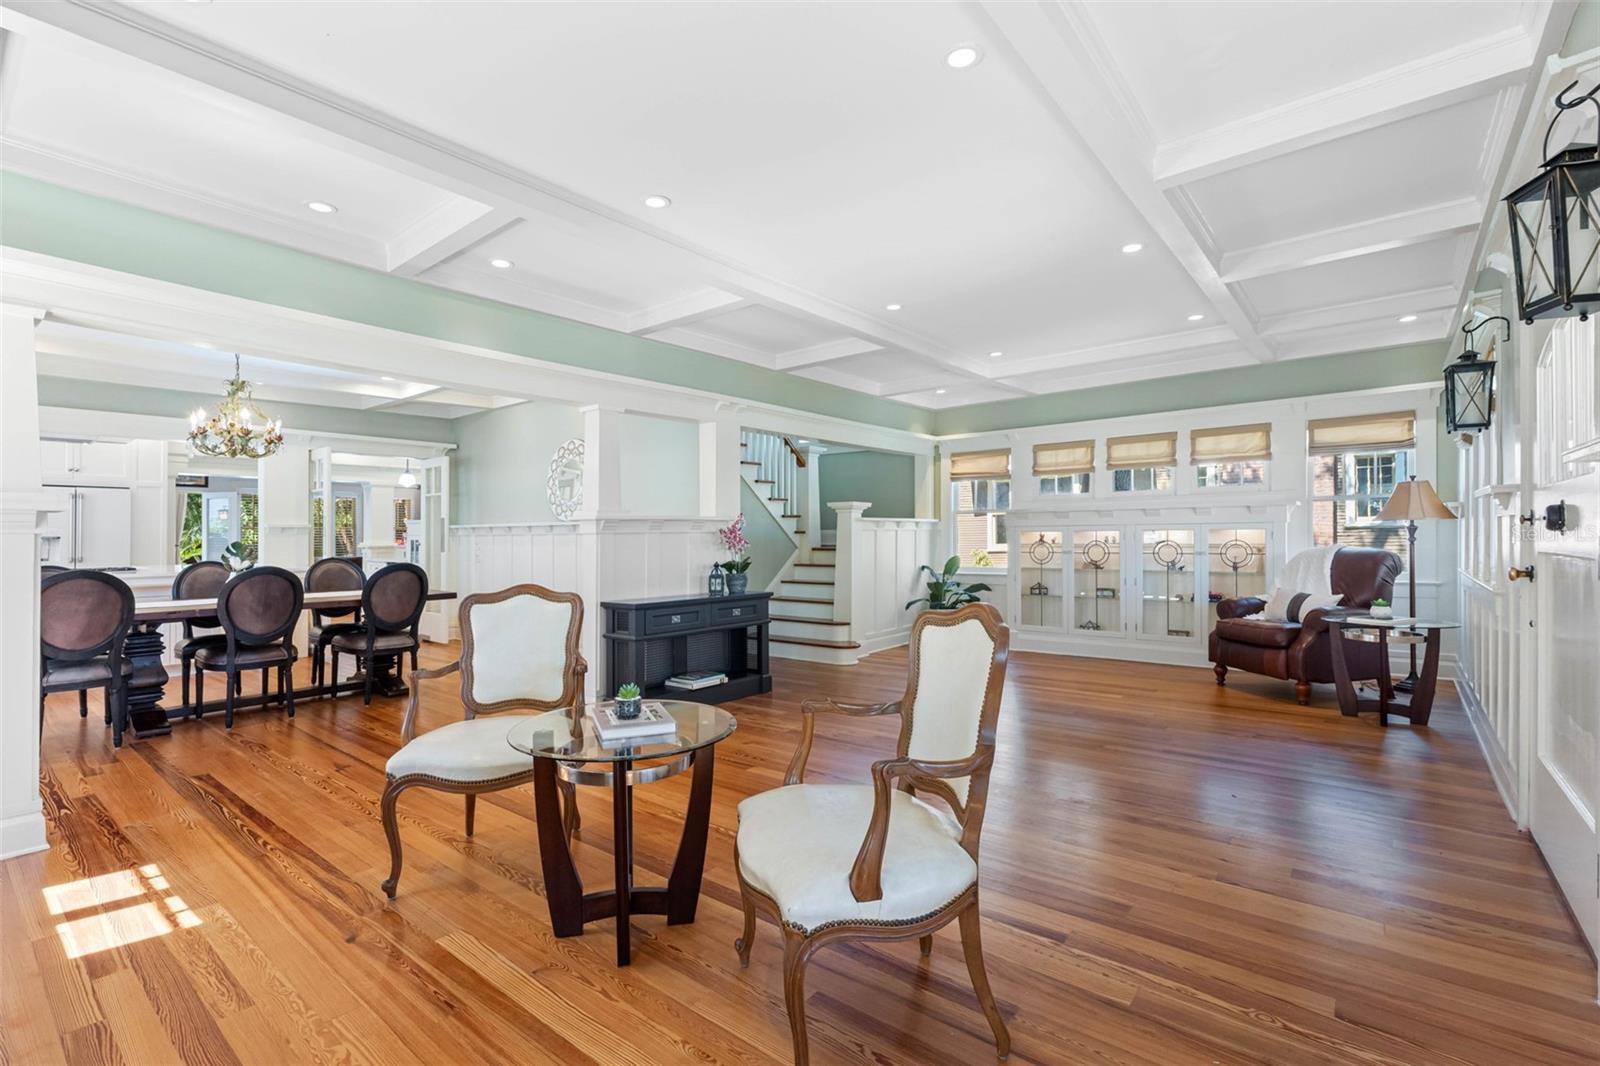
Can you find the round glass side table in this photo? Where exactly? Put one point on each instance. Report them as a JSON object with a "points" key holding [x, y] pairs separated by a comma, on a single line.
{"points": [[577, 755], [1383, 632]]}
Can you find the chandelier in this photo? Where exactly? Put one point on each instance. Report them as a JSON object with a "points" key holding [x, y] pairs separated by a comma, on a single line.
{"points": [[238, 430]]}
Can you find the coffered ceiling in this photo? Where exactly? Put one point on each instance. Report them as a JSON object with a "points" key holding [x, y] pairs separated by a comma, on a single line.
{"points": [[845, 205]]}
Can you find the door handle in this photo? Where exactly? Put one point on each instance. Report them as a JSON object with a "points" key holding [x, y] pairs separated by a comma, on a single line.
{"points": [[1519, 573]]}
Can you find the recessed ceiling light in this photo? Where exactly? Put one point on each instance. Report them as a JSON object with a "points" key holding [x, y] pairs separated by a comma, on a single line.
{"points": [[891, 307], [1129, 249], [321, 207], [1408, 318], [963, 56], [938, 392], [386, 377], [501, 264], [995, 355], [204, 344], [802, 442], [657, 200], [1196, 318]]}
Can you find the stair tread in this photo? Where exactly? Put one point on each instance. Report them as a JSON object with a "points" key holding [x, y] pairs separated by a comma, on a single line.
{"points": [[763, 481], [812, 643], [807, 621], [819, 566], [748, 462], [825, 548], [799, 599], [806, 581]]}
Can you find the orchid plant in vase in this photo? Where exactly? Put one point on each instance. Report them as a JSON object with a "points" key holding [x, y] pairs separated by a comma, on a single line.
{"points": [[737, 544]]}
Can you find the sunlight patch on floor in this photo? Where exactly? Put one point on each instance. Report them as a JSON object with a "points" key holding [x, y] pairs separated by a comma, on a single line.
{"points": [[124, 925]]}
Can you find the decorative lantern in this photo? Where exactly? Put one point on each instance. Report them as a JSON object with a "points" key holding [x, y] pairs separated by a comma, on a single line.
{"points": [[1555, 228], [1469, 383]]}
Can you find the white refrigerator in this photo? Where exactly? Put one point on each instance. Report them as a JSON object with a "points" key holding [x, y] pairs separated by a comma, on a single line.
{"points": [[92, 529]]}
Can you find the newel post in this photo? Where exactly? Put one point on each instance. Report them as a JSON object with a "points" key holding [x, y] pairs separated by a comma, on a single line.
{"points": [[848, 575]]}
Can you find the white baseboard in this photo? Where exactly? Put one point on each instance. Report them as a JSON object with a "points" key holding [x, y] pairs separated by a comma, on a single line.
{"points": [[1494, 754], [884, 641], [22, 834]]}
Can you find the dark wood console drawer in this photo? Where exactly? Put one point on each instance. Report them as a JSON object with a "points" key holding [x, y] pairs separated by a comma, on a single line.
{"points": [[739, 613], [673, 619]]}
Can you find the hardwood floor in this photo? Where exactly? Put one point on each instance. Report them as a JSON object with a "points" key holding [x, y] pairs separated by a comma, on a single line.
{"points": [[1172, 873]]}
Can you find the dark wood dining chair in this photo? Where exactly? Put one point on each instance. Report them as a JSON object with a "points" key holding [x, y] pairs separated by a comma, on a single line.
{"points": [[84, 617], [519, 651], [392, 601], [336, 573], [198, 581], [259, 610], [830, 864]]}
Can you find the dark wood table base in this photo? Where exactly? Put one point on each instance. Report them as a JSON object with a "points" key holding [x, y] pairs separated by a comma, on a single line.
{"points": [[1417, 709], [570, 907]]}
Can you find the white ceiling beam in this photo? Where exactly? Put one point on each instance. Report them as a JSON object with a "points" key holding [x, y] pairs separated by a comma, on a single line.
{"points": [[1425, 330], [686, 337], [1348, 242], [681, 312], [1176, 345], [1073, 380], [1391, 308], [448, 230], [826, 352], [1057, 49], [832, 375], [353, 127], [929, 382], [1427, 83]]}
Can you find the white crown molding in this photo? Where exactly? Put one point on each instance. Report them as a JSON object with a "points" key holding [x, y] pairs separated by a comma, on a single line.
{"points": [[449, 229], [707, 303], [1357, 312], [1348, 242]]}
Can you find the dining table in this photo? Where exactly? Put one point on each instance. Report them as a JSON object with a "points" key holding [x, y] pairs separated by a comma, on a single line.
{"points": [[145, 649]]}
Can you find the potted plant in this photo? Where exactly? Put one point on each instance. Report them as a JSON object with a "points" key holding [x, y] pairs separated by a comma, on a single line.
{"points": [[236, 558], [945, 593], [629, 701], [1381, 609], [734, 540]]}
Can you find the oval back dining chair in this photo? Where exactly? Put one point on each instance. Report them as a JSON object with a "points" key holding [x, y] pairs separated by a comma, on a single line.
{"points": [[336, 573], [84, 617], [202, 580], [392, 601], [830, 863], [258, 609], [519, 651]]}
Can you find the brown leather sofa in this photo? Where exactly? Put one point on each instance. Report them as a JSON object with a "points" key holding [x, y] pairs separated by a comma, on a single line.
{"points": [[1300, 651]]}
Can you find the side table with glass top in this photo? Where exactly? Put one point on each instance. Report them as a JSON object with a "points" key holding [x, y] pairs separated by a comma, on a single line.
{"points": [[576, 754], [1384, 632]]}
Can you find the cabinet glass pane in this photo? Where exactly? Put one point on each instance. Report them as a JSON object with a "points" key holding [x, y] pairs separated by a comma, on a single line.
{"points": [[1042, 578], [1167, 559], [1238, 560], [1097, 580]]}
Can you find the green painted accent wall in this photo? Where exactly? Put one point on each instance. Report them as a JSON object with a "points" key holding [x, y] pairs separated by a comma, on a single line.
{"points": [[885, 480], [660, 466], [502, 459], [1584, 33], [172, 403], [770, 546], [1376, 368], [52, 220]]}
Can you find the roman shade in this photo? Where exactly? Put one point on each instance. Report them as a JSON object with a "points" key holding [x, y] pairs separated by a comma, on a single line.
{"points": [[1395, 430], [1146, 449], [1059, 460], [975, 466], [1231, 444]]}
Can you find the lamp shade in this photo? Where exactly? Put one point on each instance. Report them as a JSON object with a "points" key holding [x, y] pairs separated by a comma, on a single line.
{"points": [[1413, 500]]}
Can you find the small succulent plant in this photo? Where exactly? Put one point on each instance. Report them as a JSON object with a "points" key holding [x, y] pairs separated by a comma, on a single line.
{"points": [[630, 691], [1380, 603]]}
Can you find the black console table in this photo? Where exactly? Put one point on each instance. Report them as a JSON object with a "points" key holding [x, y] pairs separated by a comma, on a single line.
{"points": [[650, 640]]}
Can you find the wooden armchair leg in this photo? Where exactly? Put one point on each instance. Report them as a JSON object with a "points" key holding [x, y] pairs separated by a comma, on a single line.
{"points": [[472, 811], [972, 947], [926, 944], [391, 829], [747, 940], [796, 953]]}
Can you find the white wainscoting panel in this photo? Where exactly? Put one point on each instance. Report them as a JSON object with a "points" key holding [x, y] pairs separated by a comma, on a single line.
{"points": [[881, 574]]}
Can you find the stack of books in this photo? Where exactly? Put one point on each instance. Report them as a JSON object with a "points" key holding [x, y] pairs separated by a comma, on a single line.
{"points": [[653, 722], [696, 679]]}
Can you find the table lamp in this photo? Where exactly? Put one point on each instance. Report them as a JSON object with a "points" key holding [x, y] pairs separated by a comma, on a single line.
{"points": [[1412, 500]]}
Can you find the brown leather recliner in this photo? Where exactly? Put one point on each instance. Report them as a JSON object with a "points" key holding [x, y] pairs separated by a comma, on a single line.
{"points": [[1300, 651]]}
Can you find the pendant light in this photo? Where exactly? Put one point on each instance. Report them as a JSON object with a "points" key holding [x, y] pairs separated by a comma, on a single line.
{"points": [[407, 480], [238, 430]]}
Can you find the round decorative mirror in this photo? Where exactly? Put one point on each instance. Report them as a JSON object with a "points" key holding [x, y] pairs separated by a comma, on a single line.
{"points": [[564, 487]]}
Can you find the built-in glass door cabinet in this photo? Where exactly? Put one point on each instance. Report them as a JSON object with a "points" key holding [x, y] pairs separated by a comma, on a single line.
{"points": [[1097, 584], [1042, 584], [1166, 579]]}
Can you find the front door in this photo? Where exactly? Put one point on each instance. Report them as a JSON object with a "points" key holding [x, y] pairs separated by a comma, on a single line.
{"points": [[1566, 767], [220, 522]]}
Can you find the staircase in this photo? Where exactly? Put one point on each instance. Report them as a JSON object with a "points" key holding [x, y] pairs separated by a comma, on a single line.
{"points": [[802, 607]]}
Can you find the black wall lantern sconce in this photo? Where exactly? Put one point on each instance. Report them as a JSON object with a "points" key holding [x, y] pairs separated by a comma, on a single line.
{"points": [[1469, 384], [1555, 227]]}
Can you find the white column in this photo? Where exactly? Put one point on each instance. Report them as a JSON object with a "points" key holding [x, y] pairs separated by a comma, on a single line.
{"points": [[377, 534], [602, 461], [922, 476], [811, 495], [283, 482], [846, 603], [22, 502], [720, 456]]}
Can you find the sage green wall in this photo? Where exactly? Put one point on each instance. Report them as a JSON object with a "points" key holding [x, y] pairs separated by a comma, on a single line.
{"points": [[1282, 380], [885, 480], [660, 466], [770, 546], [503, 458], [1584, 33], [138, 400], [41, 217]]}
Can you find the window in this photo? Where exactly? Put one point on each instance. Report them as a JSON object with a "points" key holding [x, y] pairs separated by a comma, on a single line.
{"points": [[1066, 485], [979, 507], [1231, 455], [1355, 465], [1215, 475], [1142, 463], [344, 527], [402, 511], [1142, 479]]}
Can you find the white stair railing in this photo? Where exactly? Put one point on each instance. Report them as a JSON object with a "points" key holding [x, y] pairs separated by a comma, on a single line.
{"points": [[778, 462]]}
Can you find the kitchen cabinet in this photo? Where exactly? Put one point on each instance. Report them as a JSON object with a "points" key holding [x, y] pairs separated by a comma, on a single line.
{"points": [[71, 462]]}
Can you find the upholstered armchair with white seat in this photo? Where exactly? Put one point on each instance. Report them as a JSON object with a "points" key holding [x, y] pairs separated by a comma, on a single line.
{"points": [[519, 651], [876, 861]]}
